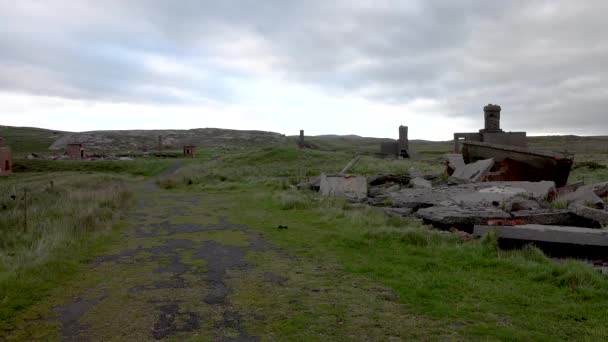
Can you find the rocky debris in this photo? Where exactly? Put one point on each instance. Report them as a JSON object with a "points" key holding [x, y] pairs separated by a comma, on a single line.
{"points": [[463, 218], [584, 196], [600, 216], [520, 203], [353, 187], [554, 217], [547, 233], [503, 194], [414, 198], [471, 173], [600, 189], [420, 183], [454, 161]]}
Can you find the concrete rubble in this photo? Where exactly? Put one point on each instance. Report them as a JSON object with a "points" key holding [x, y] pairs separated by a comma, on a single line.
{"points": [[471, 173], [342, 185]]}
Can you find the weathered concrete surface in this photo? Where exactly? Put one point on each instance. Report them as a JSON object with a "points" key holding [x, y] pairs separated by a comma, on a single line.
{"points": [[600, 216], [446, 217], [472, 173], [584, 196], [600, 189], [562, 217], [454, 161], [503, 193], [348, 186], [555, 234], [383, 189], [416, 198], [420, 183]]}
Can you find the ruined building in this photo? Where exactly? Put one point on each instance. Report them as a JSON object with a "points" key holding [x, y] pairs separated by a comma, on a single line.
{"points": [[400, 148], [6, 164], [75, 151], [492, 133], [189, 151]]}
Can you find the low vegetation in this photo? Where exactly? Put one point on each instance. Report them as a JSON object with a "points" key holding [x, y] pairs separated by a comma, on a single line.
{"points": [[140, 167], [51, 223], [470, 285]]}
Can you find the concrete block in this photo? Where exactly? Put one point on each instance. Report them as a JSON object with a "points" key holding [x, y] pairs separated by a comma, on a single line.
{"points": [[447, 217], [600, 216], [420, 183], [584, 196], [543, 233], [455, 161], [348, 186], [559, 217], [472, 173]]}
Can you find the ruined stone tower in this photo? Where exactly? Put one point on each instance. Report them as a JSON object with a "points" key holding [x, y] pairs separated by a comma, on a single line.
{"points": [[492, 119], [404, 144]]}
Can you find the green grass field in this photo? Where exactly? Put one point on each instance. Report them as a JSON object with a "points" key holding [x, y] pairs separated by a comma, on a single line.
{"points": [[350, 272]]}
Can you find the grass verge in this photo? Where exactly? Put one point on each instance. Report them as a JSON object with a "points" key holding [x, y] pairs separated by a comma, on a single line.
{"points": [[50, 230]]}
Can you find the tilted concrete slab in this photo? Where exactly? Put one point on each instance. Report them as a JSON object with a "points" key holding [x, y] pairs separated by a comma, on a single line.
{"points": [[542, 233], [559, 217], [420, 183], [447, 217], [348, 186], [473, 172], [598, 215]]}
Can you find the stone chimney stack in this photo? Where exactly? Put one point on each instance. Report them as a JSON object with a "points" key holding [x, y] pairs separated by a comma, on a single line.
{"points": [[492, 118]]}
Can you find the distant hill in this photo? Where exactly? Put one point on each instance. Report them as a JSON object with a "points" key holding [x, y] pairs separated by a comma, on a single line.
{"points": [[29, 139], [26, 139], [141, 140]]}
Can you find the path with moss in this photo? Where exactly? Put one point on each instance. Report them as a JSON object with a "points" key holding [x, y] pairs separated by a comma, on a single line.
{"points": [[184, 271]]}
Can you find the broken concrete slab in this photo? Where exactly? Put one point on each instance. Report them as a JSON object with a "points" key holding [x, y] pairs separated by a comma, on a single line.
{"points": [[600, 189], [462, 218], [584, 196], [415, 198], [420, 183], [454, 161], [544, 233], [561, 217], [348, 186], [600, 216], [471, 173], [502, 194], [521, 203]]}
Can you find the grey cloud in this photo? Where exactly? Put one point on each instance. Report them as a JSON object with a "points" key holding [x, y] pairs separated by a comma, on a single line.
{"points": [[541, 60]]}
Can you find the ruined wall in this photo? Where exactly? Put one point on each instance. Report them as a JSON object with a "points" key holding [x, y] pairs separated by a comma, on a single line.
{"points": [[403, 144], [189, 151], [6, 163], [518, 139], [75, 151], [390, 148]]}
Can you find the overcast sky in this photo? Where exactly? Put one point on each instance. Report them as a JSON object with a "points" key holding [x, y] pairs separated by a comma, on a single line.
{"points": [[328, 67]]}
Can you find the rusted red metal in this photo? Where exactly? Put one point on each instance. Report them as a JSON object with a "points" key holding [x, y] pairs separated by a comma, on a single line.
{"points": [[514, 222]]}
